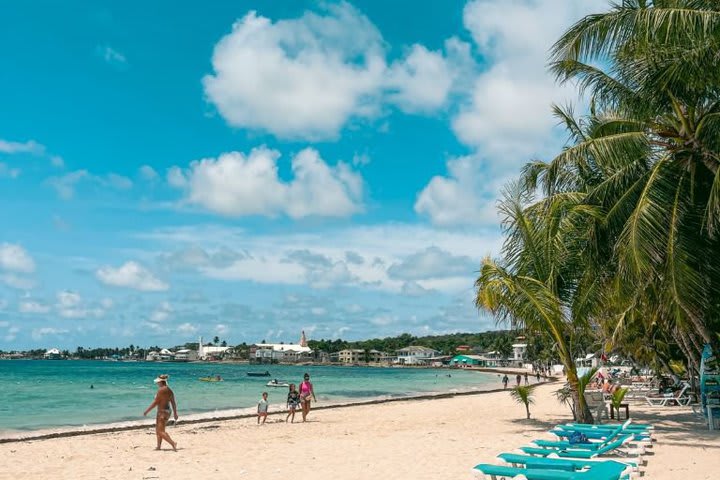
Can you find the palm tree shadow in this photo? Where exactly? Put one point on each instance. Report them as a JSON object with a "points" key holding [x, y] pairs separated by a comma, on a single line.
{"points": [[540, 425]]}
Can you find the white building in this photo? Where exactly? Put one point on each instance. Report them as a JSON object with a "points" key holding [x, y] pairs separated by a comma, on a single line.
{"points": [[186, 355], [52, 354], [283, 352], [208, 351], [415, 355], [519, 352]]}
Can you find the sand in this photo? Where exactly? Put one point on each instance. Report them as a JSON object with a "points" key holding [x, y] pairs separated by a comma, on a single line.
{"points": [[422, 439]]}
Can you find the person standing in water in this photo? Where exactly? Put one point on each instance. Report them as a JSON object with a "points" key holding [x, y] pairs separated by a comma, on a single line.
{"points": [[164, 399], [306, 391]]}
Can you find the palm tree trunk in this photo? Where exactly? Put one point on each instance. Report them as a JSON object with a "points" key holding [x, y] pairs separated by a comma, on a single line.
{"points": [[527, 409], [582, 411]]}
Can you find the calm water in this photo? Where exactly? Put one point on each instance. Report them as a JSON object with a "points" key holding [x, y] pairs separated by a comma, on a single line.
{"points": [[41, 394]]}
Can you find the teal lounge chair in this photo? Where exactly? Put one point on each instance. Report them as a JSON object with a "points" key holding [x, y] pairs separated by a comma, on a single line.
{"points": [[571, 464], [586, 451], [601, 471], [603, 435]]}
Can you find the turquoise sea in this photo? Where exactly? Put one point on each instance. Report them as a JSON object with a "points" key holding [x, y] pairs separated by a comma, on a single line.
{"points": [[42, 394]]}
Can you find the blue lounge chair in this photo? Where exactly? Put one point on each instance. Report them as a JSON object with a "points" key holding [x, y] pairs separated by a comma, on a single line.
{"points": [[588, 451], [601, 471], [570, 464]]}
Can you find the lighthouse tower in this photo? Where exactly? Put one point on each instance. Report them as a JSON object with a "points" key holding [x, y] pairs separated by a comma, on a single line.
{"points": [[303, 340]]}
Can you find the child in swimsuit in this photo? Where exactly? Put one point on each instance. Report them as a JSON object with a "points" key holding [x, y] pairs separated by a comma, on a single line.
{"points": [[293, 402], [262, 408]]}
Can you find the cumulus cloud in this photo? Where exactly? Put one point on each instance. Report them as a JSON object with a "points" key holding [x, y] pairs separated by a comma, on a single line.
{"points": [[65, 185], [194, 257], [433, 262], [131, 275], [17, 281], [307, 77], [236, 184], [9, 172], [31, 147], [161, 313], [320, 270], [111, 56], [15, 258], [33, 307], [506, 116], [70, 305], [466, 195], [40, 333], [187, 329], [148, 173]]}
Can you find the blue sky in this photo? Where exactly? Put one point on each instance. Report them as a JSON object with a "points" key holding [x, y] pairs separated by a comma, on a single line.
{"points": [[251, 169]]}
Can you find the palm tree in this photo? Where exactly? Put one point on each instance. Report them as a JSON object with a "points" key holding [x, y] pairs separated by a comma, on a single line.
{"points": [[649, 157], [539, 283], [523, 395]]}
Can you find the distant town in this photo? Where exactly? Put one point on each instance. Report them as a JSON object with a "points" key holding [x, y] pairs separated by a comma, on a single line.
{"points": [[487, 349]]}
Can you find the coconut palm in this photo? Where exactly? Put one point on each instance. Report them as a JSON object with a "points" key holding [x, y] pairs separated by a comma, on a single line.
{"points": [[539, 284], [522, 394], [649, 156]]}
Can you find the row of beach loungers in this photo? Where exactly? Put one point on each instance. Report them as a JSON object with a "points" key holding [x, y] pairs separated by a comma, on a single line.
{"points": [[612, 452]]}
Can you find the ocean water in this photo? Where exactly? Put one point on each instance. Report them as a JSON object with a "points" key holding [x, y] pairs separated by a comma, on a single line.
{"points": [[41, 394]]}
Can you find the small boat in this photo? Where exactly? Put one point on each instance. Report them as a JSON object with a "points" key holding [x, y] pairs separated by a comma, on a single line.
{"points": [[277, 383], [258, 374], [216, 378]]}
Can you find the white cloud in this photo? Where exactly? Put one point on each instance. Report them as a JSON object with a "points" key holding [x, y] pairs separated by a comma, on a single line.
{"points": [[57, 161], [221, 329], [17, 281], [236, 184], [70, 305], [421, 81], [298, 78], [11, 334], [40, 333], [187, 329], [31, 147], [467, 195], [65, 185], [15, 258], [148, 173], [433, 262], [111, 56], [107, 303], [6, 171], [33, 307], [131, 275], [67, 299], [161, 313], [308, 77], [319, 259], [506, 117]]}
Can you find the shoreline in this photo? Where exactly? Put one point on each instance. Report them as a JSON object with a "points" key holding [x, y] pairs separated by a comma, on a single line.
{"points": [[223, 415], [430, 438]]}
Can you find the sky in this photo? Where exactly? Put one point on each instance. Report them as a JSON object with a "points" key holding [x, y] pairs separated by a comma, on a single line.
{"points": [[251, 169]]}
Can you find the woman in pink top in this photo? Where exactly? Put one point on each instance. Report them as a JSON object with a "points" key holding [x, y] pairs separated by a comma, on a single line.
{"points": [[306, 391]]}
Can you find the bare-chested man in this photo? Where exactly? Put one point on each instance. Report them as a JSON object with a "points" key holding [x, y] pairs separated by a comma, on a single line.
{"points": [[164, 399]]}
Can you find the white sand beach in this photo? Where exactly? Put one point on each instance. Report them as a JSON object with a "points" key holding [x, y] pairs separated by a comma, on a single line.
{"points": [[439, 439]]}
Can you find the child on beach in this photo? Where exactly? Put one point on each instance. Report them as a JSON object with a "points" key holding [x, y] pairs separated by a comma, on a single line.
{"points": [[262, 408], [293, 401]]}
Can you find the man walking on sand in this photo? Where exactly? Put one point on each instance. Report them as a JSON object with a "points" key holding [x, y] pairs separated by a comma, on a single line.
{"points": [[164, 399]]}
